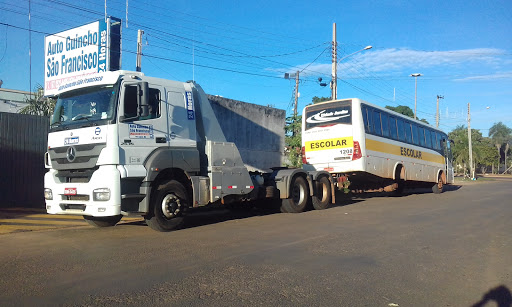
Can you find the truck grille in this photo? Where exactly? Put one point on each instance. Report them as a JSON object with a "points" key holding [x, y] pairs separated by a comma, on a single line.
{"points": [[85, 156]]}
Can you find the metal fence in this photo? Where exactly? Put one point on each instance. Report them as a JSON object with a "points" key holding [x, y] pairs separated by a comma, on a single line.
{"points": [[23, 141]]}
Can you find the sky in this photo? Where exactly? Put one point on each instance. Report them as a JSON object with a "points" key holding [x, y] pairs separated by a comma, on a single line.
{"points": [[242, 49]]}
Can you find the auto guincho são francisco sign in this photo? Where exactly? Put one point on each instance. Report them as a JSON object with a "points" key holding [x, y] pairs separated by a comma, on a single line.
{"points": [[77, 54]]}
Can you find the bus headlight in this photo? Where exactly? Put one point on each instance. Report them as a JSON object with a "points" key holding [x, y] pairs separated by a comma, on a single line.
{"points": [[101, 194], [48, 195]]}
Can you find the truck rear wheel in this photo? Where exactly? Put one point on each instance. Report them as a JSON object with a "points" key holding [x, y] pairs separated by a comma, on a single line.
{"points": [[323, 196], [102, 221], [167, 207], [299, 195]]}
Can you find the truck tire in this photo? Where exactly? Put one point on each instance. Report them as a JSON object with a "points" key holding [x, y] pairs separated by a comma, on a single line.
{"points": [[299, 196], [168, 204], [323, 196], [102, 221], [438, 187]]}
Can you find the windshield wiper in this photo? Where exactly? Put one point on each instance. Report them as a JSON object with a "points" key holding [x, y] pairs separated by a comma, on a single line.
{"points": [[81, 116], [56, 124]]}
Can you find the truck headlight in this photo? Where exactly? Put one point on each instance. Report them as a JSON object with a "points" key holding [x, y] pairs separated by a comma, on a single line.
{"points": [[48, 195], [101, 194]]}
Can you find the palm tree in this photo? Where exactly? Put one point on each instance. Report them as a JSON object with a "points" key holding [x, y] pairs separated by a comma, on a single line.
{"points": [[500, 134], [39, 105]]}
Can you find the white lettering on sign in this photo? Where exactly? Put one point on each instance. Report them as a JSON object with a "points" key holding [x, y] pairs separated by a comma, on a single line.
{"points": [[190, 106]]}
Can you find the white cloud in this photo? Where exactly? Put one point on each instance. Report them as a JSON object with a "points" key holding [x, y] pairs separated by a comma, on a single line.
{"points": [[403, 59], [504, 75]]}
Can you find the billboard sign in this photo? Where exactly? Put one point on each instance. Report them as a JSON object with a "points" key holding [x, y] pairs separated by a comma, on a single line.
{"points": [[76, 53]]}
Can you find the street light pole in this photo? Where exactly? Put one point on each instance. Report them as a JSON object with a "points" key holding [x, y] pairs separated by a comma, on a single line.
{"points": [[415, 91], [437, 110]]}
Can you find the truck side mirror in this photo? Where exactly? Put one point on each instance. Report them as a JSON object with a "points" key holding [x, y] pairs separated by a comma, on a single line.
{"points": [[143, 99]]}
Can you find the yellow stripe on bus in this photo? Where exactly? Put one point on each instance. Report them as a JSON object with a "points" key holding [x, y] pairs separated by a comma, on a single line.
{"points": [[403, 151], [346, 142]]}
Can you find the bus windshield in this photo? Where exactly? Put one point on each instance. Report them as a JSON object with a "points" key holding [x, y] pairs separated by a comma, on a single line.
{"points": [[328, 114], [89, 106]]}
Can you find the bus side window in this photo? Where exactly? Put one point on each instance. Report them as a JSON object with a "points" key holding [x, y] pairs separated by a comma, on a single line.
{"points": [[428, 138], [385, 127], [392, 128], [401, 130], [415, 137], [377, 129], [364, 112], [439, 141], [422, 136], [408, 132]]}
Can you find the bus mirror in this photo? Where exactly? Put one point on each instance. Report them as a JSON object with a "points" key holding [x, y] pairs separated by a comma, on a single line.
{"points": [[143, 99], [452, 142]]}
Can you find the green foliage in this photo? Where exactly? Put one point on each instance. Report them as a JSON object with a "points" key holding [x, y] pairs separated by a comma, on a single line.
{"points": [[320, 99], [484, 151], [501, 134], [293, 140], [405, 110], [39, 105]]}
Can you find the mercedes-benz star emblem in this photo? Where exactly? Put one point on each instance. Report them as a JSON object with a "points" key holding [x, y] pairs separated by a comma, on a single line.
{"points": [[71, 154]]}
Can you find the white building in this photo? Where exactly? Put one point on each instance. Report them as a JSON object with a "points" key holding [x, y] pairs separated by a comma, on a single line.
{"points": [[11, 101]]}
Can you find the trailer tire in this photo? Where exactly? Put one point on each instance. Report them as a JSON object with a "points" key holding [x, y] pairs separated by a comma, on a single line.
{"points": [[168, 204], [323, 196], [102, 221], [299, 196]]}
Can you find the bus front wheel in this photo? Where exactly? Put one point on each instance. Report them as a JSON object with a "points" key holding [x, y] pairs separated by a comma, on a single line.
{"points": [[438, 187]]}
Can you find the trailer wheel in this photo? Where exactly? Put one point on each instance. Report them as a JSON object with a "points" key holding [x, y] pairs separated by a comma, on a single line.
{"points": [[102, 221], [323, 196], [299, 195], [167, 207], [438, 187]]}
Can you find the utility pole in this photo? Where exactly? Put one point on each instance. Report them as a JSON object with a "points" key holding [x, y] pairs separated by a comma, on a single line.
{"points": [[334, 82], [437, 110], [470, 147], [415, 91], [139, 49], [296, 94]]}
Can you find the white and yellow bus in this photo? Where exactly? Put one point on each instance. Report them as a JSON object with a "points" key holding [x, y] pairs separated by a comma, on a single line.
{"points": [[369, 148]]}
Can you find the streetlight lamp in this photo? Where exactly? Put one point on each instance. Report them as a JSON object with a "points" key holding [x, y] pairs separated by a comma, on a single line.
{"points": [[415, 90], [437, 110], [334, 82]]}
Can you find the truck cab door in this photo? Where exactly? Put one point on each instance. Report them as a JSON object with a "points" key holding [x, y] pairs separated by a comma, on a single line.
{"points": [[140, 135]]}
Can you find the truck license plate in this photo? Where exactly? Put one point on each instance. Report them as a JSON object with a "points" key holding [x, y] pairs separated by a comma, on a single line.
{"points": [[70, 191]]}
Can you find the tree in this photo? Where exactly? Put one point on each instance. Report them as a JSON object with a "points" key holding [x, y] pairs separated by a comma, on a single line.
{"points": [[293, 140], [460, 148], [405, 110], [320, 99], [500, 134], [39, 105], [488, 154]]}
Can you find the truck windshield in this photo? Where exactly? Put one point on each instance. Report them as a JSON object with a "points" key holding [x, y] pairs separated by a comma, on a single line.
{"points": [[89, 106]]}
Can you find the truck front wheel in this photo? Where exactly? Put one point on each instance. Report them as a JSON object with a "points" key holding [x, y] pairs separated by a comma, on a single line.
{"points": [[299, 196], [167, 207], [102, 221]]}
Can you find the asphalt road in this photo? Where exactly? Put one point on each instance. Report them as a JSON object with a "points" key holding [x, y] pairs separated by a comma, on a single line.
{"points": [[423, 249]]}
